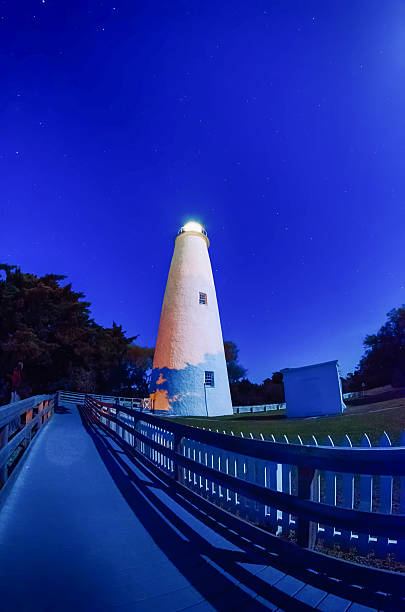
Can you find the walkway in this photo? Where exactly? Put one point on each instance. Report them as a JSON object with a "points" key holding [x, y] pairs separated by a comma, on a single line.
{"points": [[84, 529]]}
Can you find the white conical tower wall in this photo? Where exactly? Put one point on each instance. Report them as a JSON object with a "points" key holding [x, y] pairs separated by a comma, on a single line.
{"points": [[190, 340]]}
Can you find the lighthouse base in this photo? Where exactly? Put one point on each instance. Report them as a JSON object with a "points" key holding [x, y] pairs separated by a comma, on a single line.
{"points": [[185, 392]]}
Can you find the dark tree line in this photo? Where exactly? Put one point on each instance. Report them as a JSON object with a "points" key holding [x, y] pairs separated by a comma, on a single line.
{"points": [[246, 393], [48, 326], [383, 362]]}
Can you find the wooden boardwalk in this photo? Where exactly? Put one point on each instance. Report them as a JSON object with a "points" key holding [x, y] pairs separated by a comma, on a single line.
{"points": [[86, 529]]}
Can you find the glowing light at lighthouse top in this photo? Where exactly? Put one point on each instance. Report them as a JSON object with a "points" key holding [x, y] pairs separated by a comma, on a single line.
{"points": [[193, 227]]}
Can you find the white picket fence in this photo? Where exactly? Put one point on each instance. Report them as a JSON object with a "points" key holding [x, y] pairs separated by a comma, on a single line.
{"points": [[282, 405], [353, 395], [383, 494], [258, 408]]}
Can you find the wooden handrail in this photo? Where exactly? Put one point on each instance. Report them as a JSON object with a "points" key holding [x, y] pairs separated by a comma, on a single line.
{"points": [[379, 588], [28, 422], [9, 412], [374, 461], [364, 522]]}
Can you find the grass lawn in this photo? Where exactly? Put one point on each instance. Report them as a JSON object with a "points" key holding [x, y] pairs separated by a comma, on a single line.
{"points": [[372, 419]]}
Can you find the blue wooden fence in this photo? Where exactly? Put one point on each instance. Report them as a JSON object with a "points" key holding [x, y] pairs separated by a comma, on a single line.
{"points": [[340, 479], [19, 424]]}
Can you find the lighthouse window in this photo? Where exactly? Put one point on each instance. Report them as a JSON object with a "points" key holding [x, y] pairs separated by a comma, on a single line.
{"points": [[209, 379], [203, 298]]}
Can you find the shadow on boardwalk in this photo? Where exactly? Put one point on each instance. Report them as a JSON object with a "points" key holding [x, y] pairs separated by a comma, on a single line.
{"points": [[62, 410], [245, 577], [218, 574]]}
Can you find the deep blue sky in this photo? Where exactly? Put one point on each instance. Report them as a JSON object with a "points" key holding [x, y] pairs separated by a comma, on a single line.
{"points": [[280, 125]]}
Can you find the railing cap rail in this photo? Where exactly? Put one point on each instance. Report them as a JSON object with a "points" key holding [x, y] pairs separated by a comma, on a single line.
{"points": [[14, 410], [359, 460]]}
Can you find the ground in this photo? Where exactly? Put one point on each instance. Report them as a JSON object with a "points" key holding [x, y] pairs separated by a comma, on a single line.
{"points": [[380, 410]]}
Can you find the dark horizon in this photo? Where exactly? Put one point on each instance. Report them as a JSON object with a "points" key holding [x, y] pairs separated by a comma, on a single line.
{"points": [[278, 126]]}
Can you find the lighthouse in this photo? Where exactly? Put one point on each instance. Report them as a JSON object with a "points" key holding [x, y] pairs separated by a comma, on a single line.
{"points": [[189, 374]]}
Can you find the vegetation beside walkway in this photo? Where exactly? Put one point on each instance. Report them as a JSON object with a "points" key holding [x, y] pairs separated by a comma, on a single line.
{"points": [[372, 419]]}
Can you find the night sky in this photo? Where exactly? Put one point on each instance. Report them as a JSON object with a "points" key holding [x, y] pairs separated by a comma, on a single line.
{"points": [[279, 125]]}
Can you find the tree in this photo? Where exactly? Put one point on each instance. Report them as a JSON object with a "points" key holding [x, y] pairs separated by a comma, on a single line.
{"points": [[384, 360], [139, 360], [245, 393], [231, 351], [272, 390], [235, 370], [48, 326], [112, 359]]}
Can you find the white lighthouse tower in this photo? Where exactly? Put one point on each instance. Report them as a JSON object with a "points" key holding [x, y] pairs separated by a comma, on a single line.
{"points": [[189, 370]]}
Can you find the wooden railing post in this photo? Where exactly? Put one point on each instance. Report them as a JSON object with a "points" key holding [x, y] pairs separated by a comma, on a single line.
{"points": [[177, 449], [3, 442], [3, 436], [306, 529], [93, 416], [41, 407], [3, 474]]}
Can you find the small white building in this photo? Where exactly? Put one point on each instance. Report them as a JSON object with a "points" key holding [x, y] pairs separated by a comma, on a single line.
{"points": [[313, 390]]}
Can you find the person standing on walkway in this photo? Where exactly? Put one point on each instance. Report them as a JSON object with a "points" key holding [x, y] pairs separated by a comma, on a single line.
{"points": [[16, 381]]}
